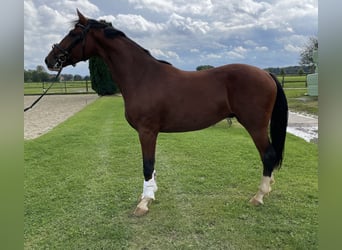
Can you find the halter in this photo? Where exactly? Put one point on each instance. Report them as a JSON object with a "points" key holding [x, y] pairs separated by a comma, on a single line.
{"points": [[65, 53]]}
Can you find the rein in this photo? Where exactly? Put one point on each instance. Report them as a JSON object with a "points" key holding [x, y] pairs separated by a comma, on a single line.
{"points": [[41, 96]]}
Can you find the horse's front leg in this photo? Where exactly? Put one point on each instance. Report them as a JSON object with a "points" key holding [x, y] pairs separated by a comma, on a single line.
{"points": [[148, 145]]}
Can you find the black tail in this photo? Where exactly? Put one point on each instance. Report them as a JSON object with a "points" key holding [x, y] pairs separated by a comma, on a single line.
{"points": [[279, 123]]}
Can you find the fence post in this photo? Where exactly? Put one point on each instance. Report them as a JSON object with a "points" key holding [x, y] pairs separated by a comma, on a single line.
{"points": [[65, 88], [87, 86]]}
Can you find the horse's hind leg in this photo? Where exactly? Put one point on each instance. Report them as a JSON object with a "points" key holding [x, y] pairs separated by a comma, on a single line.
{"points": [[268, 157]]}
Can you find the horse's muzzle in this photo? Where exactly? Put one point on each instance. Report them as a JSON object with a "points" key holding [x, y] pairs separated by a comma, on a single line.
{"points": [[53, 65]]}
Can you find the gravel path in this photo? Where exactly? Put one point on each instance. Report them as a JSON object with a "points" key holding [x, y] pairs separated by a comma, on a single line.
{"points": [[304, 126], [54, 109], [50, 111]]}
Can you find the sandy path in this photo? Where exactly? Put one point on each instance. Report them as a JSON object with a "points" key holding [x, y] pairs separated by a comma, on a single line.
{"points": [[50, 111]]}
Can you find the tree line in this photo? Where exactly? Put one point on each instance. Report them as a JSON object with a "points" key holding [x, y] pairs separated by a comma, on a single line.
{"points": [[40, 75], [291, 70]]}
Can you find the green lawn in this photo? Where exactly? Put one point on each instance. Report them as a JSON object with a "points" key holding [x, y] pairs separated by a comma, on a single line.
{"points": [[299, 101], [83, 179], [293, 81]]}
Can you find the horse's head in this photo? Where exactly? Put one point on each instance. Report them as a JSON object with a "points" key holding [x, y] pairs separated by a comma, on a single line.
{"points": [[71, 49]]}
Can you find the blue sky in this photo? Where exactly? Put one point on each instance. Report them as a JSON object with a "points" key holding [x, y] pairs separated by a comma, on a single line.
{"points": [[187, 33]]}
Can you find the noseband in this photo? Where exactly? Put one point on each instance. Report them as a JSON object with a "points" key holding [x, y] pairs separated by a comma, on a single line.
{"points": [[64, 54]]}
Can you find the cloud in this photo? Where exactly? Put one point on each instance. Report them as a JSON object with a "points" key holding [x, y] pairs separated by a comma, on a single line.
{"points": [[293, 43], [164, 54], [137, 24], [237, 53], [68, 7], [250, 43], [184, 32], [293, 48], [212, 56], [194, 50], [186, 25], [261, 48], [193, 7]]}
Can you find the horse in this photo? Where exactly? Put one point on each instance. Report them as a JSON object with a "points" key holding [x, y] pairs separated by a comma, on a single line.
{"points": [[159, 98]]}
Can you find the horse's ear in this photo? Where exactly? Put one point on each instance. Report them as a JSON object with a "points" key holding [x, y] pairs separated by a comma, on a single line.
{"points": [[81, 19]]}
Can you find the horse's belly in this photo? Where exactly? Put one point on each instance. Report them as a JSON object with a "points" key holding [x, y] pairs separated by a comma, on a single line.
{"points": [[197, 119], [185, 127]]}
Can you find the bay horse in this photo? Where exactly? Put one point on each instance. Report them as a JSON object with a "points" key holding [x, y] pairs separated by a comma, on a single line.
{"points": [[161, 98]]}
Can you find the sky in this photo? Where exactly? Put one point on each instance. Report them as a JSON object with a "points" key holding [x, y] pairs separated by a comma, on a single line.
{"points": [[187, 33]]}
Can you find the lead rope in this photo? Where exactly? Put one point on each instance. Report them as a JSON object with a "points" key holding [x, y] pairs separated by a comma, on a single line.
{"points": [[41, 96]]}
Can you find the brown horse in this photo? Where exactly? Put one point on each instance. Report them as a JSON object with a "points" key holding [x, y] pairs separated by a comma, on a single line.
{"points": [[161, 98]]}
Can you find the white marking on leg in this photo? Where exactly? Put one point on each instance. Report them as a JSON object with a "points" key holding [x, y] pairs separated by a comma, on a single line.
{"points": [[264, 188], [150, 187], [265, 185]]}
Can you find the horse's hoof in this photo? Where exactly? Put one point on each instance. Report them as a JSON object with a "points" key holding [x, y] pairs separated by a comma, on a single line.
{"points": [[256, 202], [142, 208], [140, 211], [272, 181]]}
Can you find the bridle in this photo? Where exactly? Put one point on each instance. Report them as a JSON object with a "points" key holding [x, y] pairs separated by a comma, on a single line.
{"points": [[64, 54], [63, 57]]}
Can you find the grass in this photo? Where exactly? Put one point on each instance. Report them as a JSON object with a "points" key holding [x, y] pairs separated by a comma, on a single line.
{"points": [[83, 179], [293, 81], [296, 93], [299, 101]]}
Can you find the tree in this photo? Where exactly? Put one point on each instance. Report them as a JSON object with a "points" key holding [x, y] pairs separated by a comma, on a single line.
{"points": [[204, 67], [67, 77], [78, 78], [306, 55], [41, 75], [100, 76], [282, 72], [300, 72], [27, 76]]}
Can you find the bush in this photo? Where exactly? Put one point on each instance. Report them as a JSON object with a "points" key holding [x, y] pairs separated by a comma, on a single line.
{"points": [[100, 76]]}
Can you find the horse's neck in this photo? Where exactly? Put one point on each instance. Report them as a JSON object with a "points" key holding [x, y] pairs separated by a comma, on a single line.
{"points": [[126, 61]]}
